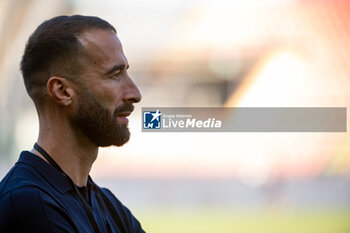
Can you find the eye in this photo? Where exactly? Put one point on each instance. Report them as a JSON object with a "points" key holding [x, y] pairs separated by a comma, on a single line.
{"points": [[117, 73]]}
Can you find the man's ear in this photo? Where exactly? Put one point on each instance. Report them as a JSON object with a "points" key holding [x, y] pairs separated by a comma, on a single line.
{"points": [[60, 90]]}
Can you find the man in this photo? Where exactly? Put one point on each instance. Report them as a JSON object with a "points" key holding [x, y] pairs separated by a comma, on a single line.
{"points": [[75, 71]]}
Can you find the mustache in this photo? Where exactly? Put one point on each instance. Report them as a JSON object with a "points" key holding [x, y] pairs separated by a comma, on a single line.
{"points": [[126, 107]]}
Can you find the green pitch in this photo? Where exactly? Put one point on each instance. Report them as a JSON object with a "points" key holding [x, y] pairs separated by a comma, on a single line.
{"points": [[219, 221]]}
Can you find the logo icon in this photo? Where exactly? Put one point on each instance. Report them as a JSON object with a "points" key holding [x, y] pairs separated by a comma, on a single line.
{"points": [[152, 119]]}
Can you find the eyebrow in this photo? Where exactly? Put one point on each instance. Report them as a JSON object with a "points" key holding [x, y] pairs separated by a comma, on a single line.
{"points": [[115, 68]]}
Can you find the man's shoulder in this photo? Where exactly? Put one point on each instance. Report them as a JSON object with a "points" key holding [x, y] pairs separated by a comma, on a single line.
{"points": [[18, 177], [23, 208], [20, 200], [26, 194]]}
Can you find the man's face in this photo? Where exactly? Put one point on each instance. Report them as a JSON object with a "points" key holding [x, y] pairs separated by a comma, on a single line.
{"points": [[106, 93]]}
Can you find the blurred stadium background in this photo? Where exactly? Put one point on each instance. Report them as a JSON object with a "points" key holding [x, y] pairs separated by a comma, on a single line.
{"points": [[206, 53]]}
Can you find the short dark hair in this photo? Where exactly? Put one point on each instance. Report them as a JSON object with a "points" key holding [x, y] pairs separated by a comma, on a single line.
{"points": [[54, 49]]}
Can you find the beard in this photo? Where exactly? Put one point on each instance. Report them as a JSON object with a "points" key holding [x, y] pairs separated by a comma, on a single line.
{"points": [[99, 124]]}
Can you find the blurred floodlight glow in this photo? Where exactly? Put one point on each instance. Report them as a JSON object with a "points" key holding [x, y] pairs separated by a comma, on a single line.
{"points": [[284, 78], [279, 81]]}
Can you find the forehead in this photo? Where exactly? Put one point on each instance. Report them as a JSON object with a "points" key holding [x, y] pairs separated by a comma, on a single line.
{"points": [[103, 48]]}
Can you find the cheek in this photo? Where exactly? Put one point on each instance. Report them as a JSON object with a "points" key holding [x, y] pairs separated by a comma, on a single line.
{"points": [[111, 98], [74, 108]]}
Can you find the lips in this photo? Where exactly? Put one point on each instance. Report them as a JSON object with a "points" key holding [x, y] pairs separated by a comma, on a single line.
{"points": [[123, 111], [124, 114], [122, 117]]}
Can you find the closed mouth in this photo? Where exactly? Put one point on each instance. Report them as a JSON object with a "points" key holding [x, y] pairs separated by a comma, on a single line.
{"points": [[124, 114]]}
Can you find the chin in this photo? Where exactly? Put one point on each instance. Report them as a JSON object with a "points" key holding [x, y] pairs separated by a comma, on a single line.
{"points": [[117, 144], [118, 141], [121, 142]]}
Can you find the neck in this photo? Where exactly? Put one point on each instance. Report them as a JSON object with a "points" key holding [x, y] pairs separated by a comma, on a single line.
{"points": [[73, 156]]}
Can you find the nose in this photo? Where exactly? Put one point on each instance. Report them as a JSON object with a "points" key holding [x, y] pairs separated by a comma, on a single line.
{"points": [[132, 93]]}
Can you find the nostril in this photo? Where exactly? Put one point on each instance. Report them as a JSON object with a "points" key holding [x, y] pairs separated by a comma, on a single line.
{"points": [[135, 99], [135, 95]]}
